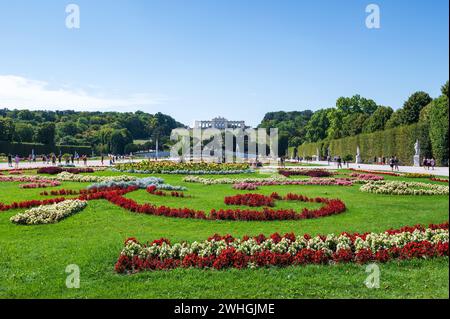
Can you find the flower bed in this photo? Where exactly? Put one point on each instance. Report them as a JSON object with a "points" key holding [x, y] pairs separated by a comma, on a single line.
{"points": [[53, 170], [245, 186], [404, 188], [252, 200], [30, 203], [441, 180], [221, 252], [268, 181], [41, 184], [305, 172], [48, 214], [417, 175], [167, 167], [366, 177], [375, 172], [142, 183], [153, 189]]}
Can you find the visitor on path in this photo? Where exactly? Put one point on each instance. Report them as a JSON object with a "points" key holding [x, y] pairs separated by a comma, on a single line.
{"points": [[17, 160], [339, 162], [72, 158], [425, 163], [392, 163], [396, 162], [53, 159], [102, 159], [432, 163], [10, 160]]}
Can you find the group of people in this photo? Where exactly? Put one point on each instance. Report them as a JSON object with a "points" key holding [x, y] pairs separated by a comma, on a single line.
{"points": [[428, 163], [393, 163], [47, 159]]}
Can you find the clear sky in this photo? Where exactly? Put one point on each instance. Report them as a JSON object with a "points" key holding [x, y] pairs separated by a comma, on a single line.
{"points": [[196, 59]]}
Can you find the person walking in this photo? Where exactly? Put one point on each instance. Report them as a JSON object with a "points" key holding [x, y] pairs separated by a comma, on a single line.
{"points": [[391, 163], [339, 162], [432, 163], [396, 162], [425, 163], [10, 160], [102, 159], [17, 160]]}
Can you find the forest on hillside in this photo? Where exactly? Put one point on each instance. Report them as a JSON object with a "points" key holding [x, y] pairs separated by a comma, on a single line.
{"points": [[105, 132]]}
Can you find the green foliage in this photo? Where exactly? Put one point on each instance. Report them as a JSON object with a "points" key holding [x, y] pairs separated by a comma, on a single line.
{"points": [[356, 104], [25, 149], [439, 129], [6, 129], [398, 141], [290, 123], [119, 139], [82, 128], [412, 107], [377, 121], [316, 129], [45, 133]]}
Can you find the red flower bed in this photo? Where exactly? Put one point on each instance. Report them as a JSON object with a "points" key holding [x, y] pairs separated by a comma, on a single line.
{"points": [[154, 191], [115, 196], [306, 172], [436, 179], [53, 170], [230, 257], [30, 203], [252, 200]]}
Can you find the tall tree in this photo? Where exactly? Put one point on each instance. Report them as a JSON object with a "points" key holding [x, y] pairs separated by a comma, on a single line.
{"points": [[45, 133], [377, 121], [412, 107]]}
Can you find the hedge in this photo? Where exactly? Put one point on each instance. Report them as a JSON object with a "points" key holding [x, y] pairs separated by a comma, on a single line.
{"points": [[397, 141], [25, 149]]}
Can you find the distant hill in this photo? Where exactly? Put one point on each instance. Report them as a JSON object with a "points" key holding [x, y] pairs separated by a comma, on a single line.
{"points": [[104, 131]]}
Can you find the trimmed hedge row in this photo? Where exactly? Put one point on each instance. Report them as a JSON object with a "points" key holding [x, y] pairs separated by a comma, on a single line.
{"points": [[25, 149], [398, 141]]}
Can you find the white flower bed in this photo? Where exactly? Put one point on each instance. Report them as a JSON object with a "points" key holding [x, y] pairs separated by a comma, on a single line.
{"points": [[140, 183], [49, 214], [404, 188]]}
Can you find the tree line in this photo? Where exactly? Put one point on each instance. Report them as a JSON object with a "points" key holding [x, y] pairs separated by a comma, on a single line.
{"points": [[105, 132], [355, 115]]}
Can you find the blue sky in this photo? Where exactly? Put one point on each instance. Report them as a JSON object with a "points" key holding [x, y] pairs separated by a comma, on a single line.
{"points": [[195, 59]]}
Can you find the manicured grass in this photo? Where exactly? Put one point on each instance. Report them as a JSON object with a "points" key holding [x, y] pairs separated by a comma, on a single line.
{"points": [[33, 258]]}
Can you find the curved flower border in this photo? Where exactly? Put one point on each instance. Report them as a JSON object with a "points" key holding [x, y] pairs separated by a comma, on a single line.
{"points": [[221, 252], [404, 188]]}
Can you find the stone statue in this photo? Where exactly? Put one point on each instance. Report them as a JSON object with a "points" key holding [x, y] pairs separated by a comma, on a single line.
{"points": [[417, 147], [358, 156], [416, 158]]}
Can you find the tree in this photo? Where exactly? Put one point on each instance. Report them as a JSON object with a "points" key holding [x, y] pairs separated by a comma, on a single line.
{"points": [[377, 121], [335, 118], [6, 129], [352, 124], [283, 143], [412, 107], [356, 104], [45, 133], [24, 132], [316, 129], [395, 120], [444, 89], [119, 139], [439, 129]]}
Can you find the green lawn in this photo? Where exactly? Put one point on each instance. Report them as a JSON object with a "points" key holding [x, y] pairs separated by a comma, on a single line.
{"points": [[33, 258]]}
